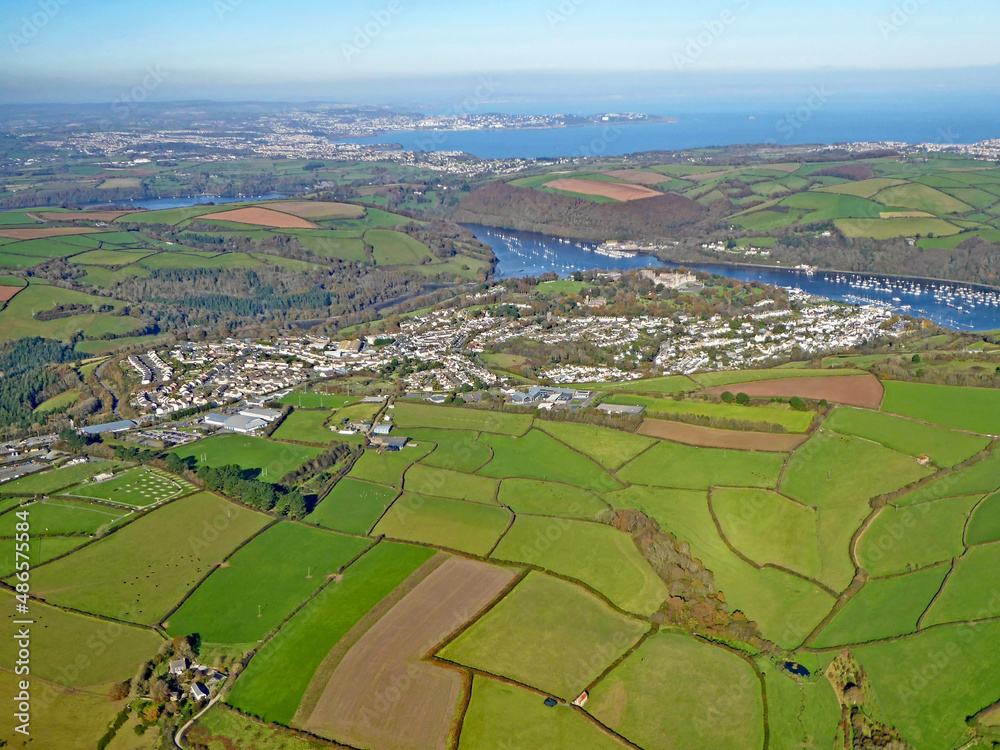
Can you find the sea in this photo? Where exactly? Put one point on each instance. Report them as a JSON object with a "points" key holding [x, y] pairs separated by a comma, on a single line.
{"points": [[962, 307], [817, 114]]}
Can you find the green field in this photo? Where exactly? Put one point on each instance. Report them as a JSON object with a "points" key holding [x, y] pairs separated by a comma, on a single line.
{"points": [[457, 450], [918, 197], [838, 476], [884, 608], [453, 524], [353, 506], [687, 467], [715, 379], [73, 650], [274, 693], [504, 716], [610, 448], [982, 478], [984, 523], [720, 705], [800, 714], [52, 481], [455, 418], [274, 460], [529, 496], [548, 634], [908, 538], [137, 488], [304, 426], [971, 590], [428, 480], [667, 385], [60, 517], [17, 318], [538, 456], [782, 416], [928, 700], [769, 528], [581, 550], [885, 229], [395, 249], [972, 409], [142, 570], [42, 549], [388, 468], [943, 447], [262, 584], [62, 401], [317, 400], [221, 728]]}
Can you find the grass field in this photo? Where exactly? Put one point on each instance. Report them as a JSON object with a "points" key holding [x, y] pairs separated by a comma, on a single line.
{"points": [[43, 549], [317, 400], [612, 449], [785, 607], [457, 450], [782, 416], [582, 551], [982, 478], [769, 528], [943, 447], [838, 475], [715, 379], [884, 608], [885, 229], [720, 706], [395, 249], [538, 456], [972, 409], [428, 480], [532, 497], [52, 481], [921, 198], [274, 460], [800, 714], [112, 651], [667, 385], [62, 401], [928, 701], [971, 591], [137, 488], [984, 524], [548, 634], [262, 584], [456, 418], [353, 506], [904, 539], [304, 426], [273, 694], [138, 573], [222, 728], [505, 716], [388, 468], [62, 517], [454, 524], [17, 318], [687, 467]]}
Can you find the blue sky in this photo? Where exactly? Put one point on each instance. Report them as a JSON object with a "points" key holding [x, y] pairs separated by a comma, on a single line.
{"points": [[93, 49]]}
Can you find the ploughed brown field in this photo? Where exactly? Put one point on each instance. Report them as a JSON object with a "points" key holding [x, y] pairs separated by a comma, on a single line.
{"points": [[7, 293], [319, 210], [709, 437], [261, 217], [638, 177], [861, 390], [83, 215], [37, 234], [616, 190], [382, 694]]}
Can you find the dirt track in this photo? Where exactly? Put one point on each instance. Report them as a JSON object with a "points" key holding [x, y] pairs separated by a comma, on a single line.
{"points": [[261, 217], [382, 694], [860, 390], [708, 437], [616, 190]]}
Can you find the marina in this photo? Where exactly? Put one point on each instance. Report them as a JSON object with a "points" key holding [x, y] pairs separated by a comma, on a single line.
{"points": [[959, 306]]}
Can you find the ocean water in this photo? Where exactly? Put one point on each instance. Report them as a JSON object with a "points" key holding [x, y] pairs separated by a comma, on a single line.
{"points": [[817, 115]]}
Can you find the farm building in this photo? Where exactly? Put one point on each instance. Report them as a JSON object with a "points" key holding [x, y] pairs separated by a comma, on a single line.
{"points": [[199, 692], [618, 409], [179, 666], [383, 429], [389, 443]]}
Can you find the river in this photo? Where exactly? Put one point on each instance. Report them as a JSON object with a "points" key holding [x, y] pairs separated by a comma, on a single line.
{"points": [[962, 307]]}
